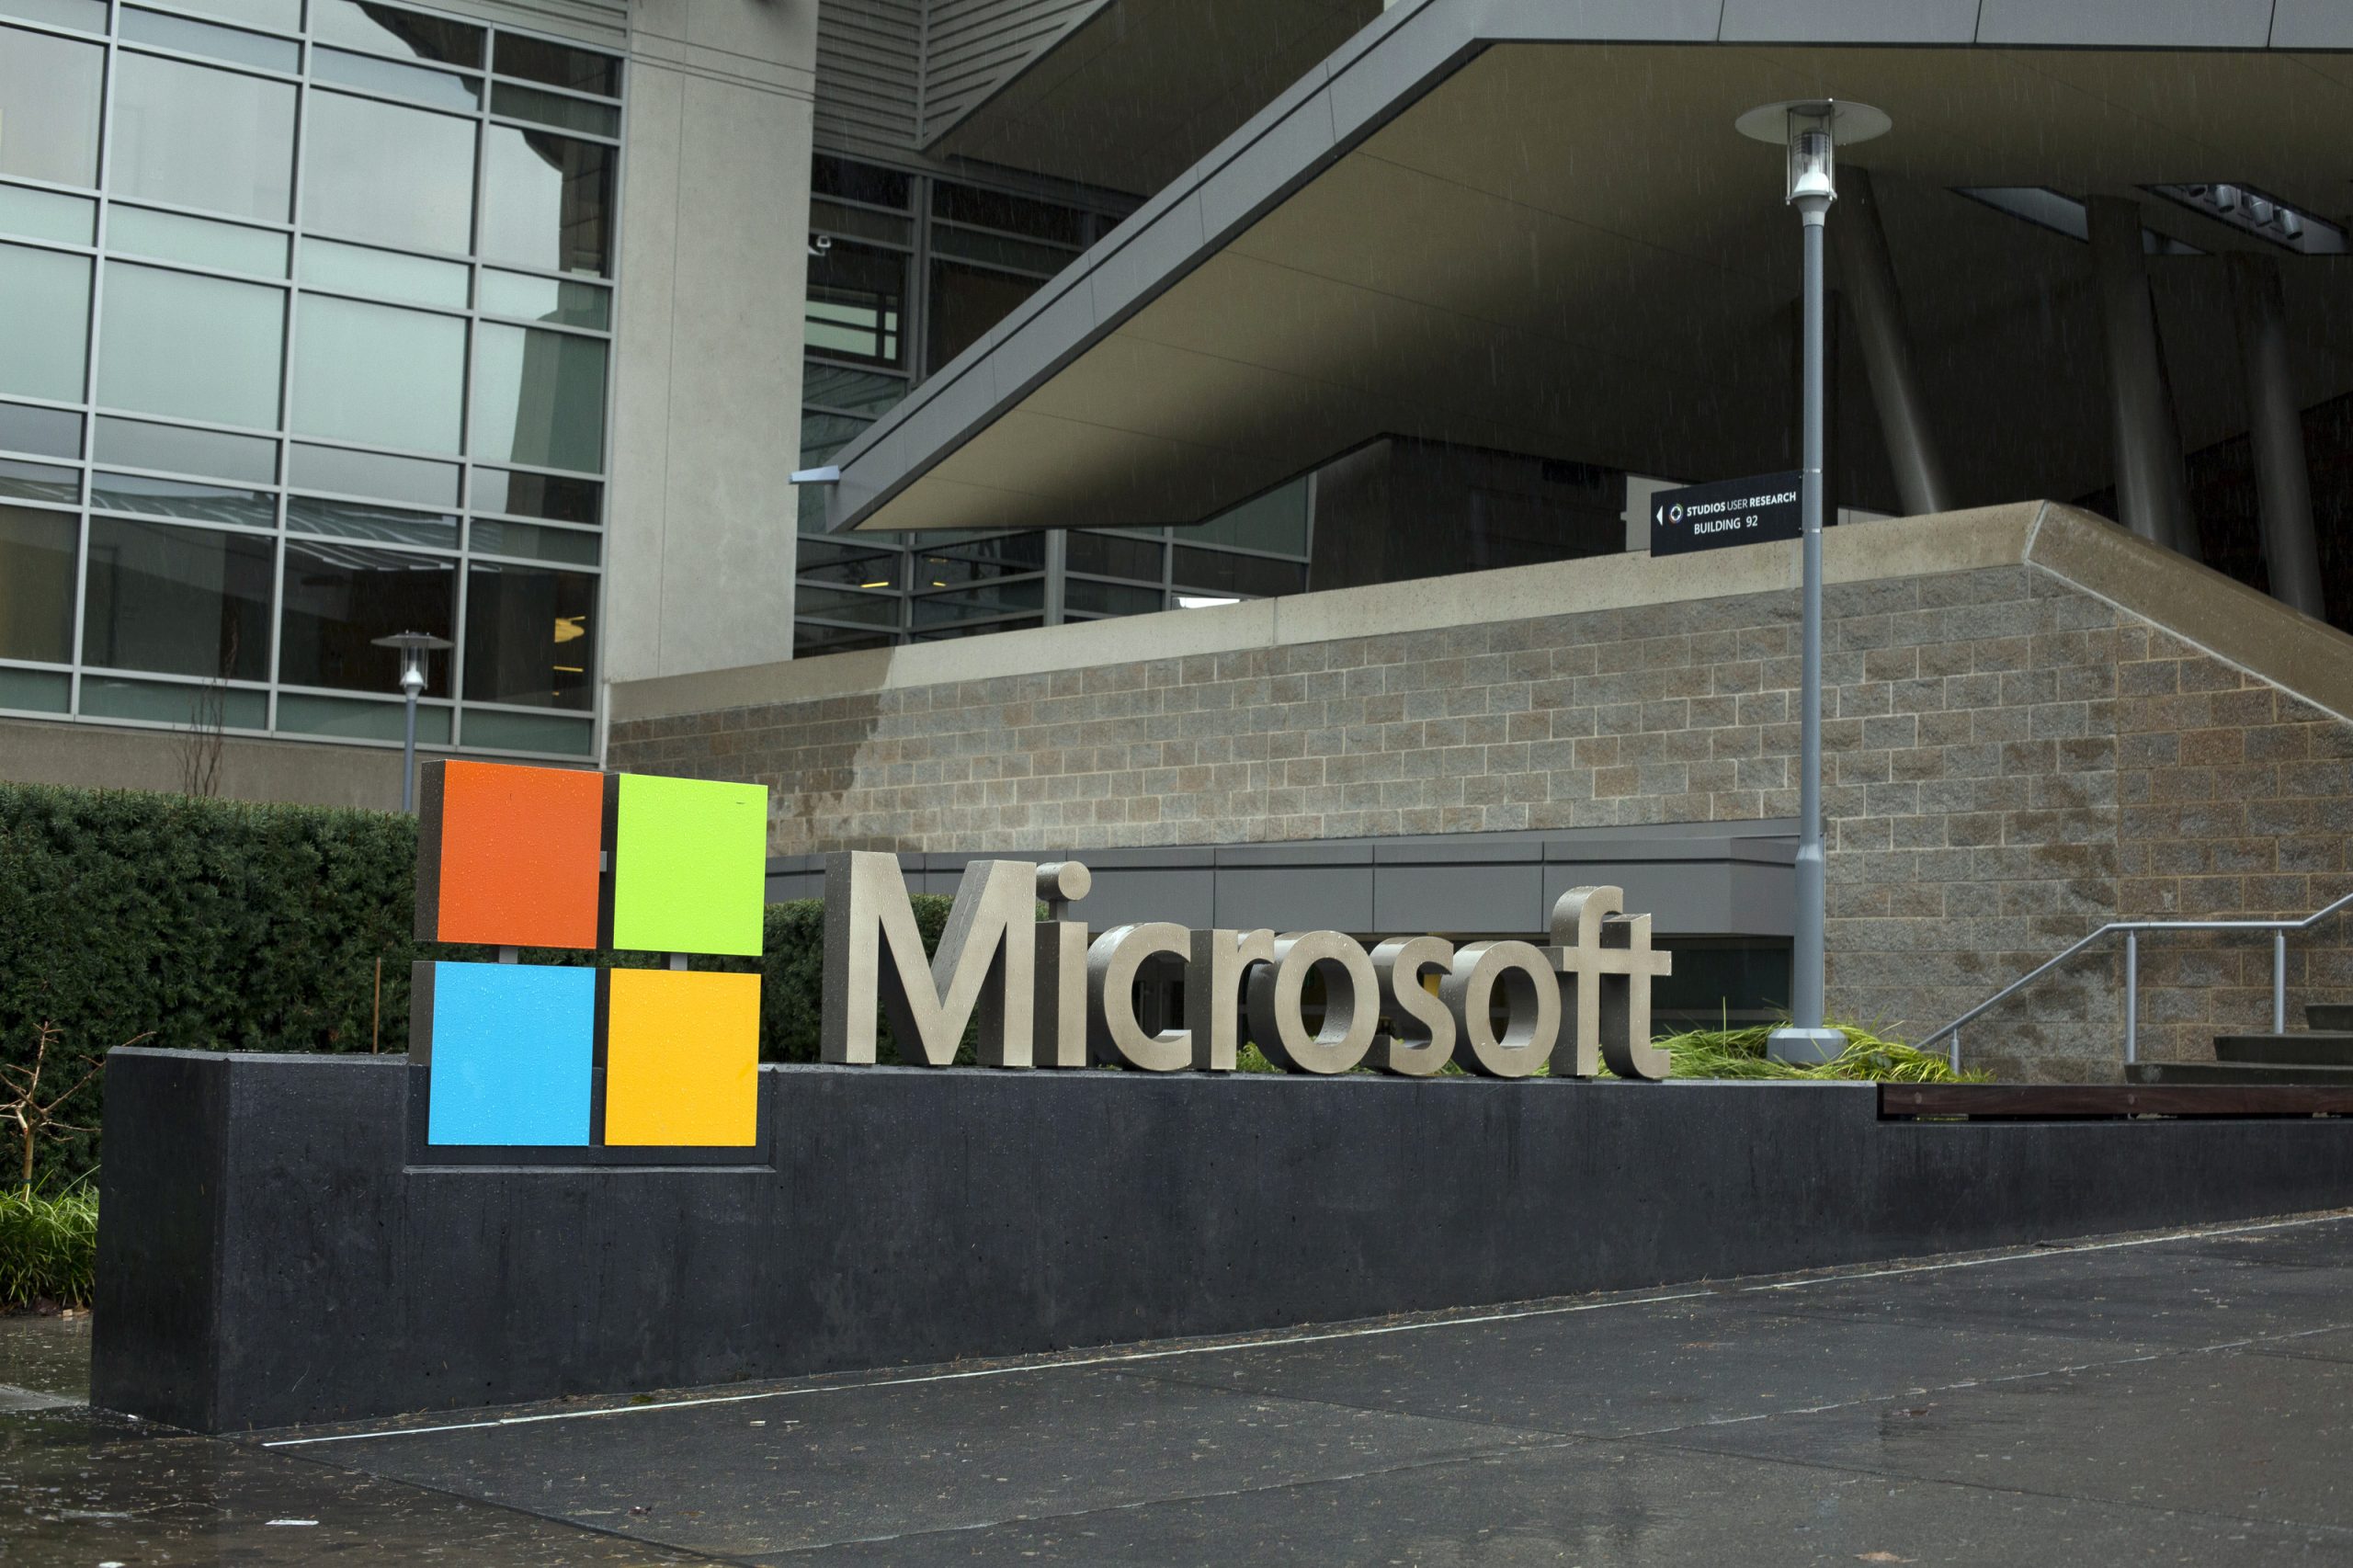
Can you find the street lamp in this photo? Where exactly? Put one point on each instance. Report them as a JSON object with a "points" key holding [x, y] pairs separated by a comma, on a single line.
{"points": [[413, 646], [1810, 130]]}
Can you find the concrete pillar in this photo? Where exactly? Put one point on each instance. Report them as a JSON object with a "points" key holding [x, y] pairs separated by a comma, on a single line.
{"points": [[2152, 492], [2276, 426], [702, 536], [1869, 285], [1057, 575]]}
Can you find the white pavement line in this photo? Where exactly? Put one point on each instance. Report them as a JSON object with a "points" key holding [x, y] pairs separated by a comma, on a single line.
{"points": [[2040, 1251], [992, 1371], [1923, 1392], [1275, 1343]]}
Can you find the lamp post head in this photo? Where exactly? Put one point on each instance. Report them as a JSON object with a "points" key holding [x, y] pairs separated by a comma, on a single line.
{"points": [[413, 646], [1811, 130]]}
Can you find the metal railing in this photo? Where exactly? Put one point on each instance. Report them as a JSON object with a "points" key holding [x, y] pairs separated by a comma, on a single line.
{"points": [[2132, 929]]}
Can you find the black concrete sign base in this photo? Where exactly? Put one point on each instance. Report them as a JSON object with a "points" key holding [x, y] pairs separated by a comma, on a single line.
{"points": [[267, 1256]]}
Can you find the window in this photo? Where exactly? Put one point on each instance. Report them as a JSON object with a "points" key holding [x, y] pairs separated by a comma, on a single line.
{"points": [[537, 59], [39, 482], [856, 296], [554, 109], [530, 731], [823, 434], [36, 584], [356, 270], [282, 16], [252, 415], [1110, 598], [194, 348], [368, 473], [388, 30], [1115, 555], [540, 398], [177, 600], [997, 598], [364, 520], [826, 561], [51, 432], [1223, 571], [340, 597], [200, 242], [378, 375], [1276, 522], [810, 638], [537, 496], [854, 391], [44, 322], [965, 304], [48, 104], [1067, 226], [375, 171], [190, 136], [176, 448], [548, 202], [183, 498], [546, 300], [955, 561], [833, 604], [233, 45], [528, 637], [860, 182], [571, 547], [46, 214]]}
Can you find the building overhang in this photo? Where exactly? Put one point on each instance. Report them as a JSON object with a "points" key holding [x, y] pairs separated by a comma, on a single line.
{"points": [[1153, 82], [1529, 225]]}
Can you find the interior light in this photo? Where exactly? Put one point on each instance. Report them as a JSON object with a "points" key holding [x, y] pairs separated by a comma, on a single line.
{"points": [[1203, 601], [883, 583], [2063, 214], [569, 628], [2252, 212]]}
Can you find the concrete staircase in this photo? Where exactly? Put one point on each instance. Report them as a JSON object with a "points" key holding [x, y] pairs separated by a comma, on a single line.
{"points": [[2321, 1054]]}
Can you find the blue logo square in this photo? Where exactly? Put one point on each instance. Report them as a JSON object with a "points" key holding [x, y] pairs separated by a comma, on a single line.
{"points": [[514, 1049]]}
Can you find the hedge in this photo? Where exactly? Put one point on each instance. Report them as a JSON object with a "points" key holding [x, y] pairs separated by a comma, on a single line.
{"points": [[211, 925]]}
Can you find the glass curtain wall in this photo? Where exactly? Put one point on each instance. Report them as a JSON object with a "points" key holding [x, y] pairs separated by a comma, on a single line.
{"points": [[307, 312], [905, 272]]}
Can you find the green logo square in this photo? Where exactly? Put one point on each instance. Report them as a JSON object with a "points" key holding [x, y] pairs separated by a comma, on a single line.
{"points": [[689, 864]]}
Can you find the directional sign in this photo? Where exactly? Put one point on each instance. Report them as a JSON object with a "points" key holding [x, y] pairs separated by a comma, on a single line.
{"points": [[1732, 511]]}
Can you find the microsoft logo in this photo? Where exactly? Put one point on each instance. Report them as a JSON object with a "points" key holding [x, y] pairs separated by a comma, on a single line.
{"points": [[567, 1056]]}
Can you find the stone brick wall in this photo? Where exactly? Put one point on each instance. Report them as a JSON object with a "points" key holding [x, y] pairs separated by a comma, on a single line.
{"points": [[2009, 761]]}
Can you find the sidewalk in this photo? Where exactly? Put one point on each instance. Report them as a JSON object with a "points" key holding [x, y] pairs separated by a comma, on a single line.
{"points": [[2185, 1397]]}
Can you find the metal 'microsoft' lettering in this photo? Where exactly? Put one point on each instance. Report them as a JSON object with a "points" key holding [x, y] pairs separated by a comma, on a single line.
{"points": [[1050, 997]]}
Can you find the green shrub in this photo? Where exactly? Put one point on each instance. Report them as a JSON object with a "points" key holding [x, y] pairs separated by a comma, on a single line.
{"points": [[1740, 1053], [792, 986], [48, 1245], [207, 925], [218, 925]]}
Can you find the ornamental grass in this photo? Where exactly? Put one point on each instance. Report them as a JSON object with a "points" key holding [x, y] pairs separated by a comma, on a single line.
{"points": [[49, 1245], [1740, 1053]]}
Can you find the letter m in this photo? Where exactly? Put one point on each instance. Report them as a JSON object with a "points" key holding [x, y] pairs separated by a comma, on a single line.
{"points": [[874, 955]]}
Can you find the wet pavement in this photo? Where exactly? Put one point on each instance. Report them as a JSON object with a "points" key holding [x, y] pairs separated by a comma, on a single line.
{"points": [[2173, 1399]]}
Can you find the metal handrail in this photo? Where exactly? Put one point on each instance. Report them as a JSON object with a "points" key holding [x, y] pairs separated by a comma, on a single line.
{"points": [[2132, 929]]}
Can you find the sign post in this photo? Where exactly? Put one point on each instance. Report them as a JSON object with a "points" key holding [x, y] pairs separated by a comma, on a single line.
{"points": [[1732, 511]]}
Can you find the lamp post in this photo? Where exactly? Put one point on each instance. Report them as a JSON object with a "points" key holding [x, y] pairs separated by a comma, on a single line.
{"points": [[413, 647], [1811, 130]]}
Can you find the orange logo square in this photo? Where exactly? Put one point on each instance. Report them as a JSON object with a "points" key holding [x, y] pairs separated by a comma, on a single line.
{"points": [[513, 857]]}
